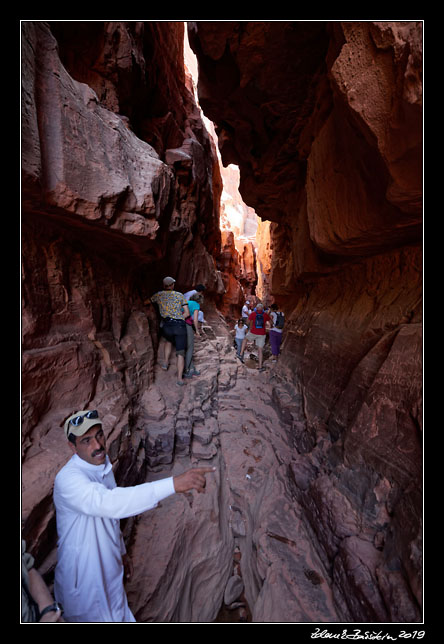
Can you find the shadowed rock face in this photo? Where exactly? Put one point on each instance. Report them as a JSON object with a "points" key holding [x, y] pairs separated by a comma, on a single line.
{"points": [[108, 211], [314, 514], [324, 121]]}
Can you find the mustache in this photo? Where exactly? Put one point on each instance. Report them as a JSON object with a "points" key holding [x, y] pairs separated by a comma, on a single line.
{"points": [[98, 451]]}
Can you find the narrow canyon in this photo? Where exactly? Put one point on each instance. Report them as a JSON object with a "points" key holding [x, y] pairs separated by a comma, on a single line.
{"points": [[132, 168]]}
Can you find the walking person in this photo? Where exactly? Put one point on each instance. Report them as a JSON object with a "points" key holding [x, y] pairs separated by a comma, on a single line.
{"points": [[278, 319], [91, 555], [258, 322], [192, 327], [240, 329], [173, 309], [200, 288]]}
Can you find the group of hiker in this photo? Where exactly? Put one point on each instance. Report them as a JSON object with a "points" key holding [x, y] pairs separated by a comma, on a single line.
{"points": [[253, 327], [180, 319], [180, 315]]}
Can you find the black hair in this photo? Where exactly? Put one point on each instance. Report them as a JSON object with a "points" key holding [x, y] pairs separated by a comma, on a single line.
{"points": [[200, 287], [72, 438]]}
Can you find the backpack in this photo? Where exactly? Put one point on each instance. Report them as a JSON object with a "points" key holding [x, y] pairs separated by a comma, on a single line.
{"points": [[259, 321], [279, 324]]}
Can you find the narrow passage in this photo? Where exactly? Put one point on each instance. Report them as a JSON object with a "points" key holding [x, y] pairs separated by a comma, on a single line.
{"points": [[239, 552]]}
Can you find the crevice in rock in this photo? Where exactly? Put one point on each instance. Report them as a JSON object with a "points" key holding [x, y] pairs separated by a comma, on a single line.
{"points": [[314, 513]]}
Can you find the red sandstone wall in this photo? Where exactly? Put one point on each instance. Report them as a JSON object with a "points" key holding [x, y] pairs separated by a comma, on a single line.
{"points": [[325, 123], [120, 186]]}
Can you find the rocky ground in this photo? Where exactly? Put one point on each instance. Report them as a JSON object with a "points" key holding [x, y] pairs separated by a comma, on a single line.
{"points": [[256, 558]]}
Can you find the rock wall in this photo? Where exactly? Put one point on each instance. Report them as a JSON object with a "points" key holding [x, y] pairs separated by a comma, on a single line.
{"points": [[120, 187], [237, 264], [324, 121], [315, 509], [238, 260]]}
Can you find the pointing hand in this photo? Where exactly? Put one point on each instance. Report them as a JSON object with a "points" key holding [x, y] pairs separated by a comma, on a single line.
{"points": [[193, 479]]}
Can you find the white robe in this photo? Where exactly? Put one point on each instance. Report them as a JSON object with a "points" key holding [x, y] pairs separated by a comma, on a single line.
{"points": [[89, 572]]}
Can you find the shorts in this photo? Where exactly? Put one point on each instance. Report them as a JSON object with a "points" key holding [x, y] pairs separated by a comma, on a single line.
{"points": [[259, 339], [175, 331]]}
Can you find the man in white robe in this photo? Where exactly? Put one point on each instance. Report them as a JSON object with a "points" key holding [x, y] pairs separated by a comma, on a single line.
{"points": [[91, 552]]}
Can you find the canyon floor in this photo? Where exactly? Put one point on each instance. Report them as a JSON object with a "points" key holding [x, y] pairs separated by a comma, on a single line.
{"points": [[241, 551]]}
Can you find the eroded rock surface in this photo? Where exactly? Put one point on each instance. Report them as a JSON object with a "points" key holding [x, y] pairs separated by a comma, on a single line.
{"points": [[234, 417], [105, 215], [324, 121], [314, 513]]}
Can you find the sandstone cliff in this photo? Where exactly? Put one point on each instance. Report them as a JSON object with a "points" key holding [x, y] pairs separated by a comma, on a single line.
{"points": [[324, 121], [120, 186], [314, 514]]}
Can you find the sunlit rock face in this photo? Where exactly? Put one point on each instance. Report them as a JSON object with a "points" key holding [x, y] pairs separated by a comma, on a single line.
{"points": [[324, 121], [238, 259], [235, 214]]}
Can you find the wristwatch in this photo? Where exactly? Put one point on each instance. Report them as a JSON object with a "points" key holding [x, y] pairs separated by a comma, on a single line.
{"points": [[52, 608]]}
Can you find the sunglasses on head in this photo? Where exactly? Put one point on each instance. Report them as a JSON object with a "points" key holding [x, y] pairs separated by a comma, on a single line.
{"points": [[78, 420]]}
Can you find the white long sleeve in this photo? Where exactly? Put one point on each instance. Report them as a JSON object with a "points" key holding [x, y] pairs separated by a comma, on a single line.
{"points": [[89, 572], [77, 488]]}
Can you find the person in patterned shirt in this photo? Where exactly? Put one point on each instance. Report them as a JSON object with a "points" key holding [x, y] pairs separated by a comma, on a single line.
{"points": [[173, 309]]}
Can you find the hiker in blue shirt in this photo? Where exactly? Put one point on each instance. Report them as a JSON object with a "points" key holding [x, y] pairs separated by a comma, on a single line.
{"points": [[192, 327]]}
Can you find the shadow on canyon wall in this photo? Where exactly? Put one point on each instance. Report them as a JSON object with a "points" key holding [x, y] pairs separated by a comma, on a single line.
{"points": [[315, 512]]}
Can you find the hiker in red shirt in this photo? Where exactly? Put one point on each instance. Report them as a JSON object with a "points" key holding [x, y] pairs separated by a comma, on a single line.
{"points": [[258, 323]]}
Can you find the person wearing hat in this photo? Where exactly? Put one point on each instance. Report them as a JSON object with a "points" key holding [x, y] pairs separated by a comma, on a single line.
{"points": [[173, 309], [91, 555]]}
